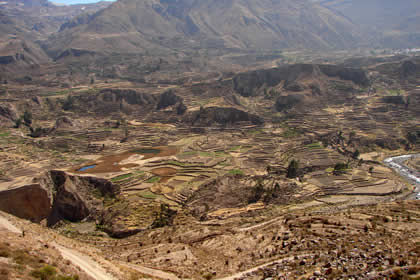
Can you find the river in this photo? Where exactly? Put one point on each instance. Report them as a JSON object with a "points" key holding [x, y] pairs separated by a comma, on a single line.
{"points": [[398, 164]]}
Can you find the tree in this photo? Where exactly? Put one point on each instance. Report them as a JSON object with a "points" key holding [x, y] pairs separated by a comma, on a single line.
{"points": [[292, 169], [258, 192], [412, 137], [18, 122], [27, 118], [340, 168], [164, 217], [356, 154], [68, 103]]}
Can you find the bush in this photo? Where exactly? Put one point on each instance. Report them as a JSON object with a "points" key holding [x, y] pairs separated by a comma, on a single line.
{"points": [[356, 154], [164, 217], [258, 192], [412, 137], [27, 118], [46, 273], [49, 272], [68, 103], [340, 168], [18, 122], [292, 169]]}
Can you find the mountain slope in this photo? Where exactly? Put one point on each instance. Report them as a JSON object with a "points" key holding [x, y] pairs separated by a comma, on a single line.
{"points": [[397, 22], [134, 25]]}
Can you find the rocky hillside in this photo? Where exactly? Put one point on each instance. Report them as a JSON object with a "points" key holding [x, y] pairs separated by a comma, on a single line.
{"points": [[401, 31], [132, 26]]}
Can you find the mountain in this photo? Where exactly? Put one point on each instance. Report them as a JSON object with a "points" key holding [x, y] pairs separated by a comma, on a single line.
{"points": [[41, 17], [17, 44], [137, 25], [397, 22]]}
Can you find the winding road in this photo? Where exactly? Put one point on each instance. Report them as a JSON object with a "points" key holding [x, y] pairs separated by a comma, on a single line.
{"points": [[398, 164]]}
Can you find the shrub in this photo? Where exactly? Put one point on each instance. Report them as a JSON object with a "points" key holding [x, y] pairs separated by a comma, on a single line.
{"points": [[292, 169], [164, 217], [27, 118], [258, 192], [340, 168], [46, 273], [356, 154]]}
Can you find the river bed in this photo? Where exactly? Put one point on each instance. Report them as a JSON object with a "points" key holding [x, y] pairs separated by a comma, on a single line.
{"points": [[398, 164]]}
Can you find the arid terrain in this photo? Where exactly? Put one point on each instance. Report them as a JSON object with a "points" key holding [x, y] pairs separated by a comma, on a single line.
{"points": [[148, 140]]}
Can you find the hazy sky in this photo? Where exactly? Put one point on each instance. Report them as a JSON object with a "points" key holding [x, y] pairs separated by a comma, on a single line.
{"points": [[69, 2]]}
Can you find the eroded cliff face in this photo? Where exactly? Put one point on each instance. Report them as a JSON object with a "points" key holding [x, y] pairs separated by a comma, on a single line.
{"points": [[57, 195], [30, 202], [76, 198]]}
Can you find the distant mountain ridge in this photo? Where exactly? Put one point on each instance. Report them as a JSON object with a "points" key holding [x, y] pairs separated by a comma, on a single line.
{"points": [[137, 25], [397, 22]]}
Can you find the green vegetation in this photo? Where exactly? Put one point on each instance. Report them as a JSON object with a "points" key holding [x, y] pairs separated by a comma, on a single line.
{"points": [[54, 93], [49, 272], [290, 133], [329, 170], [234, 148], [316, 145], [27, 118], [164, 217], [236, 172], [153, 180], [121, 177], [148, 195], [396, 92], [340, 168], [4, 133], [189, 153]]}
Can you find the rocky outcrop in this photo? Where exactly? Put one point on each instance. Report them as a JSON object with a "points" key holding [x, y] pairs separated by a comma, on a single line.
{"points": [[166, 99], [129, 96], [32, 202], [63, 123], [77, 197], [285, 103], [221, 116], [356, 75], [8, 114], [74, 53], [108, 101], [57, 195], [247, 84]]}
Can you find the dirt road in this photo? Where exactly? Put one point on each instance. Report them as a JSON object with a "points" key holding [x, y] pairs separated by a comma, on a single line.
{"points": [[87, 264], [152, 272]]}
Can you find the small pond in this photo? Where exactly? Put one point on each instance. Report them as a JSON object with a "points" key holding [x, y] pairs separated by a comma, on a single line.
{"points": [[84, 168]]}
